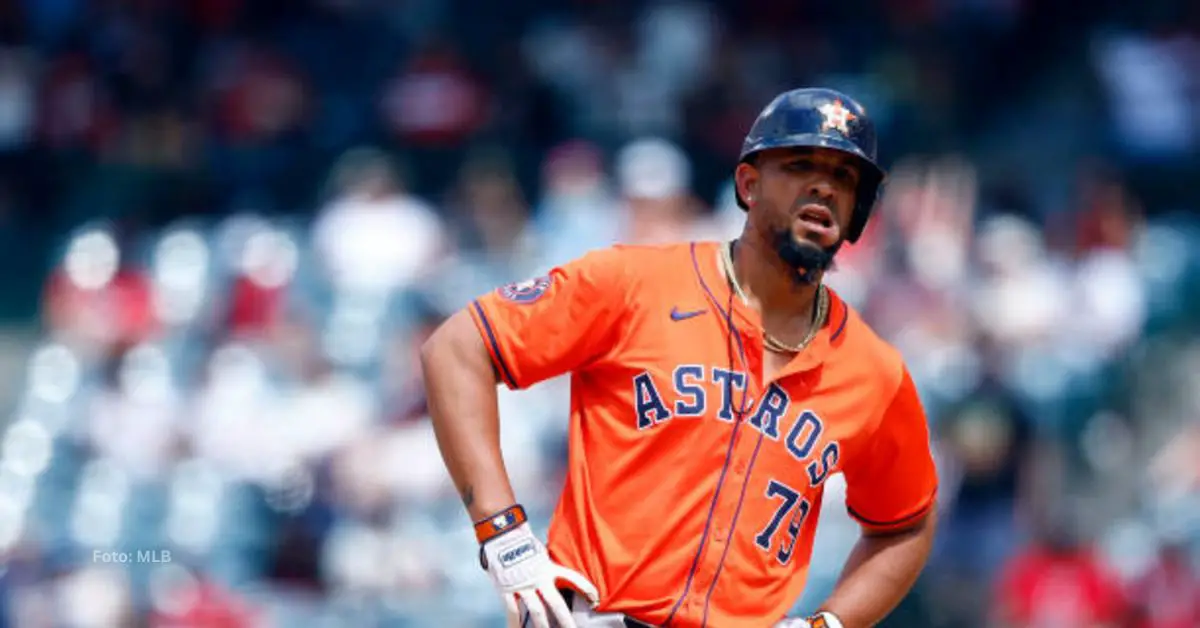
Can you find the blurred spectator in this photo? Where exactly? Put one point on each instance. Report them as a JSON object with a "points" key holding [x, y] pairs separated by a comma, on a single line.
{"points": [[320, 409], [988, 464], [1174, 469], [1152, 90], [135, 415], [94, 597], [491, 209], [257, 93], [374, 237], [100, 297], [1168, 595], [435, 100], [910, 273], [17, 102], [1022, 297], [933, 207], [577, 212], [1110, 305], [1059, 581], [496, 241], [654, 178], [181, 271], [258, 297], [403, 386], [672, 43], [186, 599], [232, 410], [76, 112]]}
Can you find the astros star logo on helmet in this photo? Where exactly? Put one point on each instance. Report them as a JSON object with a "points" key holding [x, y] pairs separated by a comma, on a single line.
{"points": [[837, 117]]}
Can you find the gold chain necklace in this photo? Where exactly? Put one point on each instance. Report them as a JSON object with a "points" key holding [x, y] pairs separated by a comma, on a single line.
{"points": [[770, 342]]}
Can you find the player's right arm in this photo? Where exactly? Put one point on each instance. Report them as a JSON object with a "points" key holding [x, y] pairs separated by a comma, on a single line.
{"points": [[517, 335], [460, 385]]}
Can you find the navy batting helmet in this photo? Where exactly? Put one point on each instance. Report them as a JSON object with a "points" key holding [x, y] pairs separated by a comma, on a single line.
{"points": [[821, 118]]}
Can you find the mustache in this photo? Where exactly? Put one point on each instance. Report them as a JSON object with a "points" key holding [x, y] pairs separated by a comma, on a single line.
{"points": [[812, 200]]}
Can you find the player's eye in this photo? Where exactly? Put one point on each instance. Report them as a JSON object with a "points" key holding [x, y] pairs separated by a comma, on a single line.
{"points": [[845, 174], [801, 165]]}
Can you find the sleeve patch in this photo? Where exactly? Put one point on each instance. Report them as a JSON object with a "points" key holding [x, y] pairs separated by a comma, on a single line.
{"points": [[526, 291]]}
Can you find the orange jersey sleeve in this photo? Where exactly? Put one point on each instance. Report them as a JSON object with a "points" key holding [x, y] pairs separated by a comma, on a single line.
{"points": [[547, 326], [896, 483]]}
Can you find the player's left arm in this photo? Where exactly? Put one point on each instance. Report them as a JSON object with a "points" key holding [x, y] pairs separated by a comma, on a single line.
{"points": [[891, 493]]}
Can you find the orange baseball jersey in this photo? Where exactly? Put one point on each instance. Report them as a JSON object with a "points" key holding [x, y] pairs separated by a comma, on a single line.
{"points": [[694, 486]]}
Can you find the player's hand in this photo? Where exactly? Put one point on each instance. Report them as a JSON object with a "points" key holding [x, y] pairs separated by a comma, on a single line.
{"points": [[522, 570]]}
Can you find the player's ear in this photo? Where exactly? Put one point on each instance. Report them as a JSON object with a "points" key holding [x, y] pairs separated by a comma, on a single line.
{"points": [[746, 181]]}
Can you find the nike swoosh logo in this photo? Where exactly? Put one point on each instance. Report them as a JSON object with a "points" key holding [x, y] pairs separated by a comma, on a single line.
{"points": [[676, 315]]}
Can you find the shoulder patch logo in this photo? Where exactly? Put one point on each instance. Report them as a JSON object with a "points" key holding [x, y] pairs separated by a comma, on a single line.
{"points": [[526, 291]]}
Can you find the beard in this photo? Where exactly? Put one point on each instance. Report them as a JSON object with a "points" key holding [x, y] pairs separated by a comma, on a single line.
{"points": [[807, 259]]}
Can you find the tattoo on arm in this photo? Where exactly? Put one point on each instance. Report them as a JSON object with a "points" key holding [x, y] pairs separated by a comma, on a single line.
{"points": [[468, 496]]}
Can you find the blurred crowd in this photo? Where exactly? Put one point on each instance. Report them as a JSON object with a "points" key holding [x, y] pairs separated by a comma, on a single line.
{"points": [[253, 213]]}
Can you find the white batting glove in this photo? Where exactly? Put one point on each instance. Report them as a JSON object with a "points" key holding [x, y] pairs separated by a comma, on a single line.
{"points": [[521, 569]]}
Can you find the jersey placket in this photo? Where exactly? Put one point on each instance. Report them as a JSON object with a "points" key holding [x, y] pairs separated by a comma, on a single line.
{"points": [[746, 345], [733, 491]]}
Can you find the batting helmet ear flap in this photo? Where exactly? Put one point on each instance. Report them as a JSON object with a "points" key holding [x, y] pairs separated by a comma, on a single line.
{"points": [[870, 192]]}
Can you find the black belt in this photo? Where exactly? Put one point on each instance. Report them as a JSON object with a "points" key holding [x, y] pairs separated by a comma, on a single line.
{"points": [[569, 596]]}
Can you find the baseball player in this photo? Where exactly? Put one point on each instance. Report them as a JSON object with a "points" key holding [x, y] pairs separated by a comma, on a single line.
{"points": [[715, 388]]}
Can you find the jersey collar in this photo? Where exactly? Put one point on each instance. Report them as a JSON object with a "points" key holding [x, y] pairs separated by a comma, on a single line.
{"points": [[706, 257]]}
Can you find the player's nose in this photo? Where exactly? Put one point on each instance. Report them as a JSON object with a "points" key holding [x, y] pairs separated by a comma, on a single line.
{"points": [[821, 187]]}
